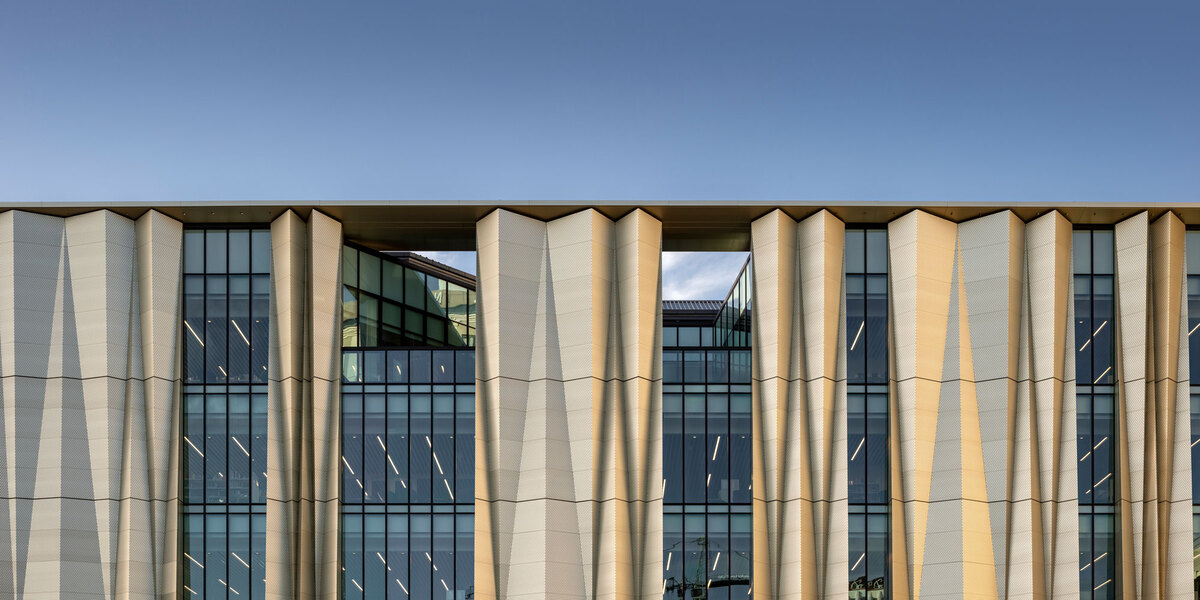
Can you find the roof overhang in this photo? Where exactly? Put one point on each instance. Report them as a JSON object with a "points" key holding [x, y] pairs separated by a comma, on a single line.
{"points": [[687, 225]]}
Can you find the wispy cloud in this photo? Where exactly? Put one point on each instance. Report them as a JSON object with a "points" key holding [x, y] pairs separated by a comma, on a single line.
{"points": [[700, 275]]}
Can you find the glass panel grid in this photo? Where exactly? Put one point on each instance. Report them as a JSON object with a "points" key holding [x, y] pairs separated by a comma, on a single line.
{"points": [[225, 341]]}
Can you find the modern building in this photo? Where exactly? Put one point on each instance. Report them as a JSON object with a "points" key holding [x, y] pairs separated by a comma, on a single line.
{"points": [[914, 402]]}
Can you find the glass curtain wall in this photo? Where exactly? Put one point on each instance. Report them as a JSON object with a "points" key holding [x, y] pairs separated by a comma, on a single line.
{"points": [[408, 434], [1095, 379], [707, 519], [387, 304], [1192, 240], [867, 411], [226, 310]]}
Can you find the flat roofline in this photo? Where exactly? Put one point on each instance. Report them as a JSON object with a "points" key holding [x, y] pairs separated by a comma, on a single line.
{"points": [[687, 224]]}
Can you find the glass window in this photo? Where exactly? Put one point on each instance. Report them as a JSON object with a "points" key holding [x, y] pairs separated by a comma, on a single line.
{"points": [[867, 410]]}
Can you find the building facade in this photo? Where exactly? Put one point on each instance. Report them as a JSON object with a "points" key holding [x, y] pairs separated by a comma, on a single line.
{"points": [[909, 402]]}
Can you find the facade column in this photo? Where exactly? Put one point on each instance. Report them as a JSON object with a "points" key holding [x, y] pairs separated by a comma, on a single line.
{"points": [[799, 407], [304, 408], [984, 408], [569, 408], [89, 405], [1154, 455]]}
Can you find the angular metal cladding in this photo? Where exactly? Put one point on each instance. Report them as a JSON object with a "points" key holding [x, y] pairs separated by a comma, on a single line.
{"points": [[569, 407], [89, 404], [304, 408], [799, 407]]}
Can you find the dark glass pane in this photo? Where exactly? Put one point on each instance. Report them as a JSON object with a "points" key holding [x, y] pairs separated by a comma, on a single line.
{"points": [[672, 448], [672, 556], [1085, 557], [858, 556], [215, 554], [350, 267], [689, 337], [856, 329], [695, 477], [193, 325], [260, 251], [258, 448], [1083, 329], [368, 321], [1103, 467], [238, 450], [194, 439], [352, 556], [1102, 252], [717, 450], [375, 467], [239, 330], [374, 367], [443, 448], [464, 367], [877, 552], [421, 564], [464, 450], [740, 459], [718, 366], [876, 329], [855, 251], [193, 251], [397, 449], [1102, 331], [215, 250], [398, 366], [1083, 432], [414, 289], [740, 546], [368, 273], [398, 557], [239, 253], [443, 554], [420, 448], [352, 448], [876, 449], [375, 575], [739, 366], [1081, 249], [349, 317], [856, 441], [239, 555], [443, 366], [393, 281], [193, 554], [260, 335], [670, 337], [672, 367], [718, 557], [216, 443], [877, 251], [464, 567], [215, 331], [693, 366], [419, 364], [436, 301]]}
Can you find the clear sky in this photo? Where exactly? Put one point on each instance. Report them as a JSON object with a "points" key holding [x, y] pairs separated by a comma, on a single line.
{"points": [[905, 101]]}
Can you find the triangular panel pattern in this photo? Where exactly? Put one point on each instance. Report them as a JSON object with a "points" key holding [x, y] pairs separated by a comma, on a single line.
{"points": [[569, 407], [799, 407], [89, 402], [304, 408]]}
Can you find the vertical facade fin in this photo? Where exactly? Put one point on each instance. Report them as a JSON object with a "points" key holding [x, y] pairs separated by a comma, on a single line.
{"points": [[303, 408], [1153, 441], [568, 427], [90, 377], [799, 407]]}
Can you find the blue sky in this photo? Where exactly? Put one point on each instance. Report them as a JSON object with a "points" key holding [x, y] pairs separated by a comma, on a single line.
{"points": [[652, 99], [909, 102]]}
